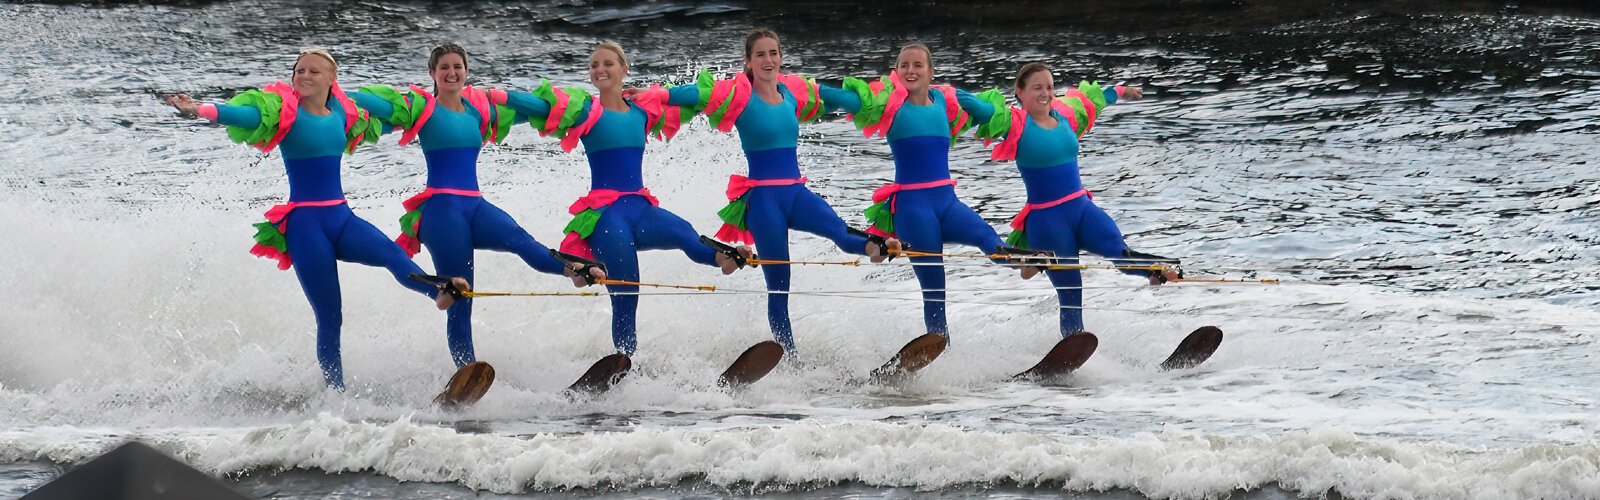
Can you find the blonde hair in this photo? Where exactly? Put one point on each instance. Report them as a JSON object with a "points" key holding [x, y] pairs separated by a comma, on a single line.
{"points": [[323, 53], [615, 48]]}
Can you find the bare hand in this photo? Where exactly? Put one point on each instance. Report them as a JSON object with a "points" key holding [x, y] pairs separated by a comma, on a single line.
{"points": [[446, 299], [1131, 92], [184, 103], [631, 92]]}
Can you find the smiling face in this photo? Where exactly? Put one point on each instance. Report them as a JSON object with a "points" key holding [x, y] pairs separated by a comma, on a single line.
{"points": [[763, 59], [1035, 88], [607, 70], [915, 65], [449, 73], [313, 75]]}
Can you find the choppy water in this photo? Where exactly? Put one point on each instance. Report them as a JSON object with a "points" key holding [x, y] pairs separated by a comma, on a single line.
{"points": [[1419, 175]]}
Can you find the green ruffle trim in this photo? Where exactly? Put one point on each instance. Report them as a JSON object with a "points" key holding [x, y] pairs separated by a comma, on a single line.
{"points": [[880, 216], [872, 104], [716, 115], [813, 101], [267, 235], [366, 131], [403, 114], [999, 123], [504, 118], [576, 99], [408, 222], [1017, 239], [733, 213], [269, 104], [1096, 95], [583, 223]]}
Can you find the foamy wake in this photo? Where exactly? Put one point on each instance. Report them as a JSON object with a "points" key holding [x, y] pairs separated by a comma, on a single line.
{"points": [[1170, 464]]}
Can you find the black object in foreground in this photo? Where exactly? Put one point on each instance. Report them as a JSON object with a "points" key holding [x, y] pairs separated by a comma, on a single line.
{"points": [[134, 471]]}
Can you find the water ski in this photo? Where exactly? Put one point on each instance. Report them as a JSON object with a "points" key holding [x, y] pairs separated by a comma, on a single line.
{"points": [[1195, 349], [755, 363], [1068, 354], [604, 374], [467, 386], [916, 354]]}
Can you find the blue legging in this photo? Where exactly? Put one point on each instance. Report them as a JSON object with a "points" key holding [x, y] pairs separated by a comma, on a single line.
{"points": [[927, 218], [627, 226], [316, 237], [1065, 229], [771, 211], [454, 225]]}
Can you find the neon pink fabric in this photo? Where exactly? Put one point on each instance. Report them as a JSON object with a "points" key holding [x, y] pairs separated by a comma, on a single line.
{"points": [[1021, 219], [897, 98], [654, 103], [278, 215], [738, 185], [207, 111], [411, 244], [570, 141], [291, 105], [596, 199], [883, 193], [478, 99]]}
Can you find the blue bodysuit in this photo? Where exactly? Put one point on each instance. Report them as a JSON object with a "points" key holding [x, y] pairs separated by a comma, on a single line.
{"points": [[1047, 158], [615, 148], [769, 134], [925, 218], [453, 225], [317, 236]]}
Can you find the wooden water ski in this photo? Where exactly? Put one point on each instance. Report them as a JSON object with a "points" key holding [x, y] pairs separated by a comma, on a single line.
{"points": [[1067, 355], [467, 386], [604, 374], [1195, 349], [914, 356], [755, 363]]}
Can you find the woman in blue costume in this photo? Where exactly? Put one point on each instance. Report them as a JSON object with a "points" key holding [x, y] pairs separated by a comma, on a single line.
{"points": [[313, 122], [1061, 217], [767, 107], [450, 216], [619, 216], [920, 122]]}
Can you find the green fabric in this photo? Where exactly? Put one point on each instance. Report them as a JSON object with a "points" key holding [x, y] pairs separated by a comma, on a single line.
{"points": [[504, 118], [716, 116], [408, 222], [267, 235], [1097, 97], [872, 104], [999, 123], [583, 223], [1096, 93], [881, 216], [733, 213], [269, 104], [813, 102], [403, 114], [366, 131], [965, 124], [1017, 239], [1081, 114], [570, 117], [704, 82]]}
